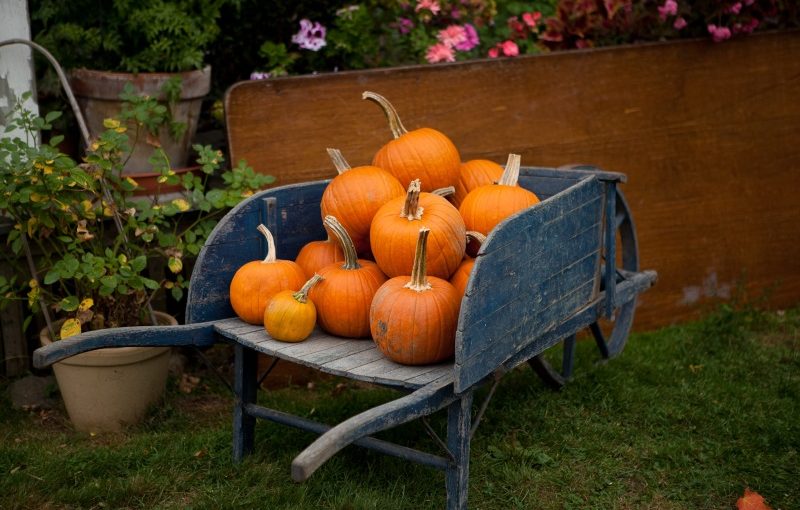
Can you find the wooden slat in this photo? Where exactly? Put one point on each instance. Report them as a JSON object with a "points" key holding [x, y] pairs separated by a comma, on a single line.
{"points": [[355, 359]]}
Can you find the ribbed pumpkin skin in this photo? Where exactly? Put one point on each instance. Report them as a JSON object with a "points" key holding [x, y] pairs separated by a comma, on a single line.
{"points": [[354, 197], [487, 205], [461, 276], [474, 173], [425, 154], [415, 328], [394, 238], [254, 284], [288, 320], [344, 296], [317, 254]]}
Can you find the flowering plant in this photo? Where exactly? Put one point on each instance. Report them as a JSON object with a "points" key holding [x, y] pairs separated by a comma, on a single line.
{"points": [[86, 240], [378, 33]]}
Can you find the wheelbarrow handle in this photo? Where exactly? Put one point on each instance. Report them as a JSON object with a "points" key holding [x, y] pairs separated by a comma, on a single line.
{"points": [[200, 334]]}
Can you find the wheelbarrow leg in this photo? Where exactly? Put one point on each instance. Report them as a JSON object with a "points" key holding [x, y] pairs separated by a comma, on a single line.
{"points": [[245, 387], [459, 417]]}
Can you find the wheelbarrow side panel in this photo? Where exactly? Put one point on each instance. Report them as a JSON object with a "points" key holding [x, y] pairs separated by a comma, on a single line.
{"points": [[535, 270], [291, 213]]}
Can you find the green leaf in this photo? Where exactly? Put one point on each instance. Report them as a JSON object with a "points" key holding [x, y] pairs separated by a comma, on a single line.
{"points": [[177, 293], [139, 263], [69, 303], [52, 276], [109, 281]]}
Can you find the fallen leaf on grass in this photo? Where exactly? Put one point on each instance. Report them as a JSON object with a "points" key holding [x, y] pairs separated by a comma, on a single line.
{"points": [[751, 501]]}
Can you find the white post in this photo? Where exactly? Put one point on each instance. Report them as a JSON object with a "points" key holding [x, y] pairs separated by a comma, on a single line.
{"points": [[16, 61]]}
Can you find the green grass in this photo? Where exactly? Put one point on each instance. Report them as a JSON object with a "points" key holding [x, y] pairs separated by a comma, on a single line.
{"points": [[685, 418]]}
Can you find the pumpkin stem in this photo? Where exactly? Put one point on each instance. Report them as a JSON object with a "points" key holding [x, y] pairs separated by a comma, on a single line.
{"points": [[349, 249], [411, 208], [270, 244], [419, 278], [511, 173], [480, 238], [302, 295], [395, 124], [339, 162], [445, 192]]}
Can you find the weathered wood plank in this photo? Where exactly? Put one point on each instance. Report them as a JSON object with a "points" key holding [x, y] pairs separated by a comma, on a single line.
{"points": [[356, 359], [525, 332], [559, 278]]}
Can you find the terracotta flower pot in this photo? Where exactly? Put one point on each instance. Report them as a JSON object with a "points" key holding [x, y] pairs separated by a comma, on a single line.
{"points": [[107, 389], [98, 93]]}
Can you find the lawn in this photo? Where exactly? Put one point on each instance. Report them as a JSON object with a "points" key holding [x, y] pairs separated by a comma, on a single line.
{"points": [[686, 418]]}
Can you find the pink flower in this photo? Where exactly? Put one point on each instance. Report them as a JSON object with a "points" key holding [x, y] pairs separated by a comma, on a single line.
{"points": [[311, 35], [461, 37], [748, 27], [472, 39], [452, 36], [259, 75], [516, 26], [404, 25], [719, 34], [670, 8], [431, 5], [735, 8], [531, 18], [440, 53], [510, 48], [679, 24]]}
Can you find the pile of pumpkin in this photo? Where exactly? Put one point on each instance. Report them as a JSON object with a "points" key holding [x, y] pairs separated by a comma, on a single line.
{"points": [[397, 259]]}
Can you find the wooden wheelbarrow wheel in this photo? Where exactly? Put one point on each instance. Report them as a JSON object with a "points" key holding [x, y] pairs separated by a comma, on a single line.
{"points": [[612, 344]]}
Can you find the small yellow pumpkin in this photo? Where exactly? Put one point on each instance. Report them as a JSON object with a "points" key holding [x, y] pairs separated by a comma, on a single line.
{"points": [[290, 316]]}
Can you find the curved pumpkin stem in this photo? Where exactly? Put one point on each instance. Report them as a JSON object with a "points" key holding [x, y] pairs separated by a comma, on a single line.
{"points": [[339, 162], [419, 277], [445, 192], [511, 173], [411, 208], [302, 295], [480, 238], [270, 244], [349, 249], [395, 124]]}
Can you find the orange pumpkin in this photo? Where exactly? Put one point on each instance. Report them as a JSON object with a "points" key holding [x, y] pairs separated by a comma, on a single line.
{"points": [[315, 255], [290, 316], [461, 276], [474, 173], [355, 195], [425, 154], [486, 206], [256, 282], [396, 225], [413, 320], [344, 295]]}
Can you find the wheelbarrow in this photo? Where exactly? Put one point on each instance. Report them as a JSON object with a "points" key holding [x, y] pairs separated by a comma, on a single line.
{"points": [[565, 265]]}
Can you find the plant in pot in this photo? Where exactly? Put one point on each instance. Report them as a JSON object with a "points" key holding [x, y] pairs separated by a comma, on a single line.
{"points": [[88, 253], [152, 49]]}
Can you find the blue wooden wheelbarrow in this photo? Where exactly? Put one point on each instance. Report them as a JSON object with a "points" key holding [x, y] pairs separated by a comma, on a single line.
{"points": [[564, 265]]}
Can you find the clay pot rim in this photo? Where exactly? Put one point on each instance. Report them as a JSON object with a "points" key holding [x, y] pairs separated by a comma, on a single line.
{"points": [[107, 85]]}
